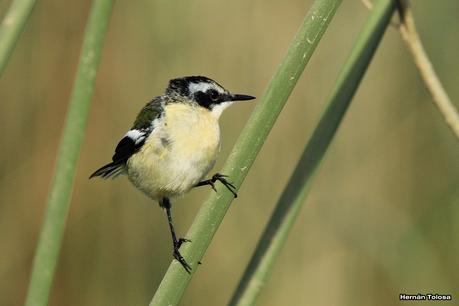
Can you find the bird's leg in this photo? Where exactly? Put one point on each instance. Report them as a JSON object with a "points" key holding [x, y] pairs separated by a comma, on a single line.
{"points": [[166, 204], [222, 179]]}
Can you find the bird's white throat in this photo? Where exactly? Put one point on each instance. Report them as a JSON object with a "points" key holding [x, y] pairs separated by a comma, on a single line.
{"points": [[218, 109]]}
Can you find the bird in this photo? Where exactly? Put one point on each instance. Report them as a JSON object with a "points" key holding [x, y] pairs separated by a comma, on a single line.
{"points": [[173, 144]]}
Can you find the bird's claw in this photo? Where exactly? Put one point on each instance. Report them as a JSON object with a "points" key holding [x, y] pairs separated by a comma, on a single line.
{"points": [[180, 241], [181, 260], [179, 256], [222, 179], [212, 185]]}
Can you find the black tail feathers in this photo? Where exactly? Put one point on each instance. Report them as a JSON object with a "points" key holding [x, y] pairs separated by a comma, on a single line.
{"points": [[111, 170]]}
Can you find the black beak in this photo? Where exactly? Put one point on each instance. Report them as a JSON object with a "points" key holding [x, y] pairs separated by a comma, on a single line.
{"points": [[237, 97]]}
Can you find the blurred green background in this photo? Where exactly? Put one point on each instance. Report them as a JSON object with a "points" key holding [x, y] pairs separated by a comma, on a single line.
{"points": [[383, 214]]}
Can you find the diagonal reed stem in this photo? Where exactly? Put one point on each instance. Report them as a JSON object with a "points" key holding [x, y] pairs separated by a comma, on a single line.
{"points": [[246, 149], [426, 70], [294, 195], [49, 243], [410, 35], [11, 27]]}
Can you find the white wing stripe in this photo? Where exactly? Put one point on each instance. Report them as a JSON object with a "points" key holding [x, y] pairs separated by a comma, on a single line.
{"points": [[136, 135]]}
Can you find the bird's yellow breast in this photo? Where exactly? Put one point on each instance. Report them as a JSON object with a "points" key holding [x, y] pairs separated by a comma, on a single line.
{"points": [[193, 128], [179, 152]]}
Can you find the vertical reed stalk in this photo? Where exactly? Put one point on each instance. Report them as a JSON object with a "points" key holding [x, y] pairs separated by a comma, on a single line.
{"points": [[49, 243]]}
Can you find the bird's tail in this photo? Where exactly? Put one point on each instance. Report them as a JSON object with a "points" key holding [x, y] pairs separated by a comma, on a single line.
{"points": [[111, 170]]}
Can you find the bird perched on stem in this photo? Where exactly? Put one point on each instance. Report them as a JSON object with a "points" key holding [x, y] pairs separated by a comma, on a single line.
{"points": [[173, 144]]}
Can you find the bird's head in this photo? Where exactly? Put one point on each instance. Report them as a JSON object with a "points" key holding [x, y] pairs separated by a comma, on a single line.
{"points": [[205, 92]]}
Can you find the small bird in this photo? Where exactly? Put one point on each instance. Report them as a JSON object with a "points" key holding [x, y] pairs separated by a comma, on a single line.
{"points": [[173, 144]]}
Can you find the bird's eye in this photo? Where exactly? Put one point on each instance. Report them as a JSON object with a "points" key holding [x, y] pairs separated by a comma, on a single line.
{"points": [[213, 94]]}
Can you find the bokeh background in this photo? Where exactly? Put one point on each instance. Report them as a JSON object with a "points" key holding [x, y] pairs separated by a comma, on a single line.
{"points": [[383, 214]]}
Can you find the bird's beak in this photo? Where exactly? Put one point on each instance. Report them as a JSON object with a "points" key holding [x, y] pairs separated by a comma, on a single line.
{"points": [[237, 97]]}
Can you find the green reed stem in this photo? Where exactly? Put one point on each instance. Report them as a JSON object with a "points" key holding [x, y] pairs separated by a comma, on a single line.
{"points": [[11, 27], [50, 240], [294, 195]]}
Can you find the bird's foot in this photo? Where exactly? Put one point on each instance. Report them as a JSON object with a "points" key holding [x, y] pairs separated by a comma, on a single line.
{"points": [[180, 241], [179, 256], [222, 179]]}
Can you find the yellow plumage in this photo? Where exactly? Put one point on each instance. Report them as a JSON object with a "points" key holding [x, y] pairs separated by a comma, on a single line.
{"points": [[179, 152]]}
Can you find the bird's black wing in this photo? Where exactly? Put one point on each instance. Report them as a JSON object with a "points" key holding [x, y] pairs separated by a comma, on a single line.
{"points": [[133, 140], [129, 145]]}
